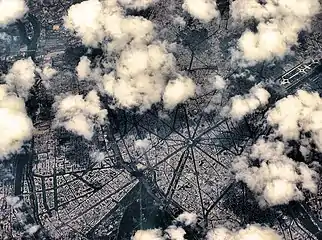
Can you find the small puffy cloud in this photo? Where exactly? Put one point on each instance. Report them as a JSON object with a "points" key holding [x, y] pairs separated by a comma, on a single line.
{"points": [[15, 126], [171, 233], [175, 233], [250, 232], [14, 201], [83, 68], [32, 229], [275, 178], [178, 20], [203, 10], [47, 72], [85, 19], [85, 72], [97, 156], [218, 82], [241, 105], [21, 77], [137, 4], [178, 91], [78, 114], [11, 10], [264, 45], [274, 36], [149, 234], [142, 144], [187, 218], [298, 113]]}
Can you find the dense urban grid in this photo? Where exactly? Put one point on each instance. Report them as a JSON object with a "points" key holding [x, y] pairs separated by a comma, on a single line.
{"points": [[160, 119]]}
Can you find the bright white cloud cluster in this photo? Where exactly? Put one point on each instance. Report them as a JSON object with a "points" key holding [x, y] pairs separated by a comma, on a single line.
{"points": [[137, 4], [173, 232], [278, 28], [254, 232], [15, 126], [144, 72], [11, 10], [203, 10], [78, 114], [87, 26], [21, 77], [140, 78], [95, 21], [275, 179], [298, 113], [242, 105]]}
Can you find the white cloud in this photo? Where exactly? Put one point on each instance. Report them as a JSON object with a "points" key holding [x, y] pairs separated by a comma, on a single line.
{"points": [[141, 66], [140, 79], [97, 156], [241, 105], [78, 114], [175, 233], [187, 218], [142, 144], [171, 233], [137, 4], [95, 21], [220, 233], [298, 113], [32, 229], [178, 91], [85, 19], [277, 179], [14, 201], [218, 82], [21, 77], [46, 73], [250, 232], [279, 25], [203, 10], [15, 126], [178, 20], [11, 10], [83, 68], [149, 234]]}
